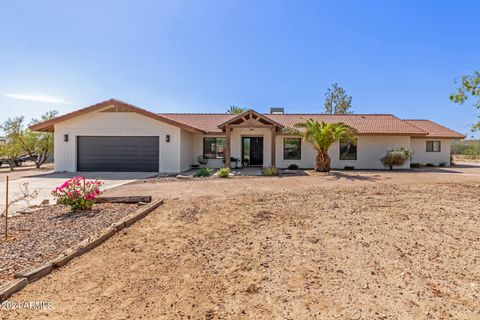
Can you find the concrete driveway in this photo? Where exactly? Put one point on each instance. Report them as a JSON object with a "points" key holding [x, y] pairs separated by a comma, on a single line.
{"points": [[46, 182]]}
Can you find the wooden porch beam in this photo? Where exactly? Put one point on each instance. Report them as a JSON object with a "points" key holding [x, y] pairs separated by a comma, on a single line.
{"points": [[273, 145], [227, 146]]}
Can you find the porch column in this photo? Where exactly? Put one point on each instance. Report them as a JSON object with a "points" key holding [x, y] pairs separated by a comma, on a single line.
{"points": [[227, 146], [273, 145]]}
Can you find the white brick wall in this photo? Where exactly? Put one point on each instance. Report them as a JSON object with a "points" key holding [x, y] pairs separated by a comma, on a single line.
{"points": [[115, 124], [420, 155]]}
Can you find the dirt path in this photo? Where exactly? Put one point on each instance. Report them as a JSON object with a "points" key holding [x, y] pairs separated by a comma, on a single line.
{"points": [[358, 250]]}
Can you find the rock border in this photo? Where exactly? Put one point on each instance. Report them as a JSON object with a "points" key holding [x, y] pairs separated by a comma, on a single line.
{"points": [[25, 277]]}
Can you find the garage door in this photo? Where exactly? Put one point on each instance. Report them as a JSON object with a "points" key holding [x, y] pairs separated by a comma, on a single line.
{"points": [[140, 154]]}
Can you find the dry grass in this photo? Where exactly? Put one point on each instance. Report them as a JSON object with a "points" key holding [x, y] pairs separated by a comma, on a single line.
{"points": [[358, 251]]}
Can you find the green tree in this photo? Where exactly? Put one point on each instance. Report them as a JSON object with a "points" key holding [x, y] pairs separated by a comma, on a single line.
{"points": [[38, 145], [10, 152], [236, 110], [470, 89], [337, 101], [321, 136]]}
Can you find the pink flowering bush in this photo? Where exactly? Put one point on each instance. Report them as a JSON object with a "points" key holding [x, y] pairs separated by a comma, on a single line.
{"points": [[78, 193]]}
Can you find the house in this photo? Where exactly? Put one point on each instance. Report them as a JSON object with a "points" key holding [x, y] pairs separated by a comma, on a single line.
{"points": [[117, 136], [3, 140]]}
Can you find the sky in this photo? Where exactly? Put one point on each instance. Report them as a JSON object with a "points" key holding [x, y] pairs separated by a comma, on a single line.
{"points": [[398, 57]]}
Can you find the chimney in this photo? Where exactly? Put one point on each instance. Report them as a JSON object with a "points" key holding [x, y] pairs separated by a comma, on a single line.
{"points": [[277, 110]]}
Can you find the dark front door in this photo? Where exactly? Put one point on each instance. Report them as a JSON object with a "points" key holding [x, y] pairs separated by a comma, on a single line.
{"points": [[118, 154], [253, 150]]}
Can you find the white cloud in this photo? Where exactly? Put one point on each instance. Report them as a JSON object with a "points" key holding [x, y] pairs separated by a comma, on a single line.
{"points": [[39, 98]]}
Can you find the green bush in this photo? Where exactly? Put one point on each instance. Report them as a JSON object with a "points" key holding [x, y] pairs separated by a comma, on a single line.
{"points": [[292, 166], [203, 172], [442, 164], [224, 172], [415, 165], [429, 165], [271, 171], [349, 168], [396, 158]]}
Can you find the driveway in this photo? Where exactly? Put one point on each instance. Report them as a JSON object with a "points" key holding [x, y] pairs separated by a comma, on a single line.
{"points": [[46, 182]]}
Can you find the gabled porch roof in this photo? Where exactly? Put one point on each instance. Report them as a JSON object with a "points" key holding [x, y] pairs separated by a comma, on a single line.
{"points": [[250, 119]]}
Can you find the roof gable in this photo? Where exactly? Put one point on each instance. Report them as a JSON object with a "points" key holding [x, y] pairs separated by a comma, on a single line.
{"points": [[116, 106], [435, 130], [250, 118]]}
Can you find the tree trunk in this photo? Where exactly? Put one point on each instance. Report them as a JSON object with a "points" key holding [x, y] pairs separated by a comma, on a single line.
{"points": [[322, 163]]}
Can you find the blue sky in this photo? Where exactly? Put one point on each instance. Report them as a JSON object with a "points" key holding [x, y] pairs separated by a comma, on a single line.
{"points": [[399, 57]]}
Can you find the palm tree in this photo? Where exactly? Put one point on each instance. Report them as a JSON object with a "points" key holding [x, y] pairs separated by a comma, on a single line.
{"points": [[236, 110], [321, 136]]}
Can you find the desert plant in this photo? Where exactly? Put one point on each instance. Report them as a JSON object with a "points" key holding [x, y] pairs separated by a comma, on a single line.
{"points": [[224, 172], [78, 193], [415, 165], [321, 136], [271, 171], [236, 110], [396, 157], [203, 172], [292, 166]]}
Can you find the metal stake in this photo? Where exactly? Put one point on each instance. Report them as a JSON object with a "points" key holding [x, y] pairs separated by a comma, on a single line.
{"points": [[6, 210]]}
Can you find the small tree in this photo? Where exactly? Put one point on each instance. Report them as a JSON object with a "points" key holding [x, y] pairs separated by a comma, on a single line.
{"points": [[236, 110], [38, 145], [470, 89], [10, 151], [321, 136], [396, 158], [337, 101]]}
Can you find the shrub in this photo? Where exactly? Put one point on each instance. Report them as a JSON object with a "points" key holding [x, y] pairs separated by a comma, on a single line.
{"points": [[203, 172], [224, 172], [396, 157], [442, 164], [415, 165], [429, 165], [271, 171], [78, 193], [292, 166], [349, 168]]}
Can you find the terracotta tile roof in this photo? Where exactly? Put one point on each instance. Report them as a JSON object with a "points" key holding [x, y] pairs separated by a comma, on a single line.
{"points": [[435, 130], [207, 122], [364, 123]]}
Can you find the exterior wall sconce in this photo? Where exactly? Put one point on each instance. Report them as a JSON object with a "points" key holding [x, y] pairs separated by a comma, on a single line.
{"points": [[65, 137], [167, 138], [251, 128]]}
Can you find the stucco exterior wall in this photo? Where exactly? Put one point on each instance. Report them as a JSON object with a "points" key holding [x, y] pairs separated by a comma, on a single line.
{"points": [[186, 150], [420, 154], [369, 151], [115, 124]]}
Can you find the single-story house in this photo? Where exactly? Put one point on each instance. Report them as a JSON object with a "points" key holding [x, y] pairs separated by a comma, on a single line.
{"points": [[117, 136]]}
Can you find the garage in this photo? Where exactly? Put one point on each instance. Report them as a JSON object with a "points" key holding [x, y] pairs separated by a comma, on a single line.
{"points": [[118, 153]]}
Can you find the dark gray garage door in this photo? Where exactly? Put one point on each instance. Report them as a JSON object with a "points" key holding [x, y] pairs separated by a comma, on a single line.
{"points": [[139, 154]]}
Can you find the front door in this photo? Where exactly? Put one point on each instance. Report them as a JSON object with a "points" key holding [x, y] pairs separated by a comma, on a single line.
{"points": [[252, 151]]}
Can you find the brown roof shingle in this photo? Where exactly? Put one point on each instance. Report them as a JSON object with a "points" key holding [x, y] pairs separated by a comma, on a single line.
{"points": [[435, 130]]}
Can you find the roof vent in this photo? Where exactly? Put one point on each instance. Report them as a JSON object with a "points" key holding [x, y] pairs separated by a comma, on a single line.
{"points": [[277, 110]]}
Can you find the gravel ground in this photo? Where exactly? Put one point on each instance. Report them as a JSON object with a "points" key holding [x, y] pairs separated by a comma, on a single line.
{"points": [[359, 250], [42, 235]]}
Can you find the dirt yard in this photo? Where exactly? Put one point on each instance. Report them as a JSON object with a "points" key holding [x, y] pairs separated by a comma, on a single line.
{"points": [[374, 245]]}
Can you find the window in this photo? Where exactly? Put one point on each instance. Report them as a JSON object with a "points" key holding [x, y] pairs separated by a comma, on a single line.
{"points": [[348, 150], [433, 146], [213, 148], [292, 149]]}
